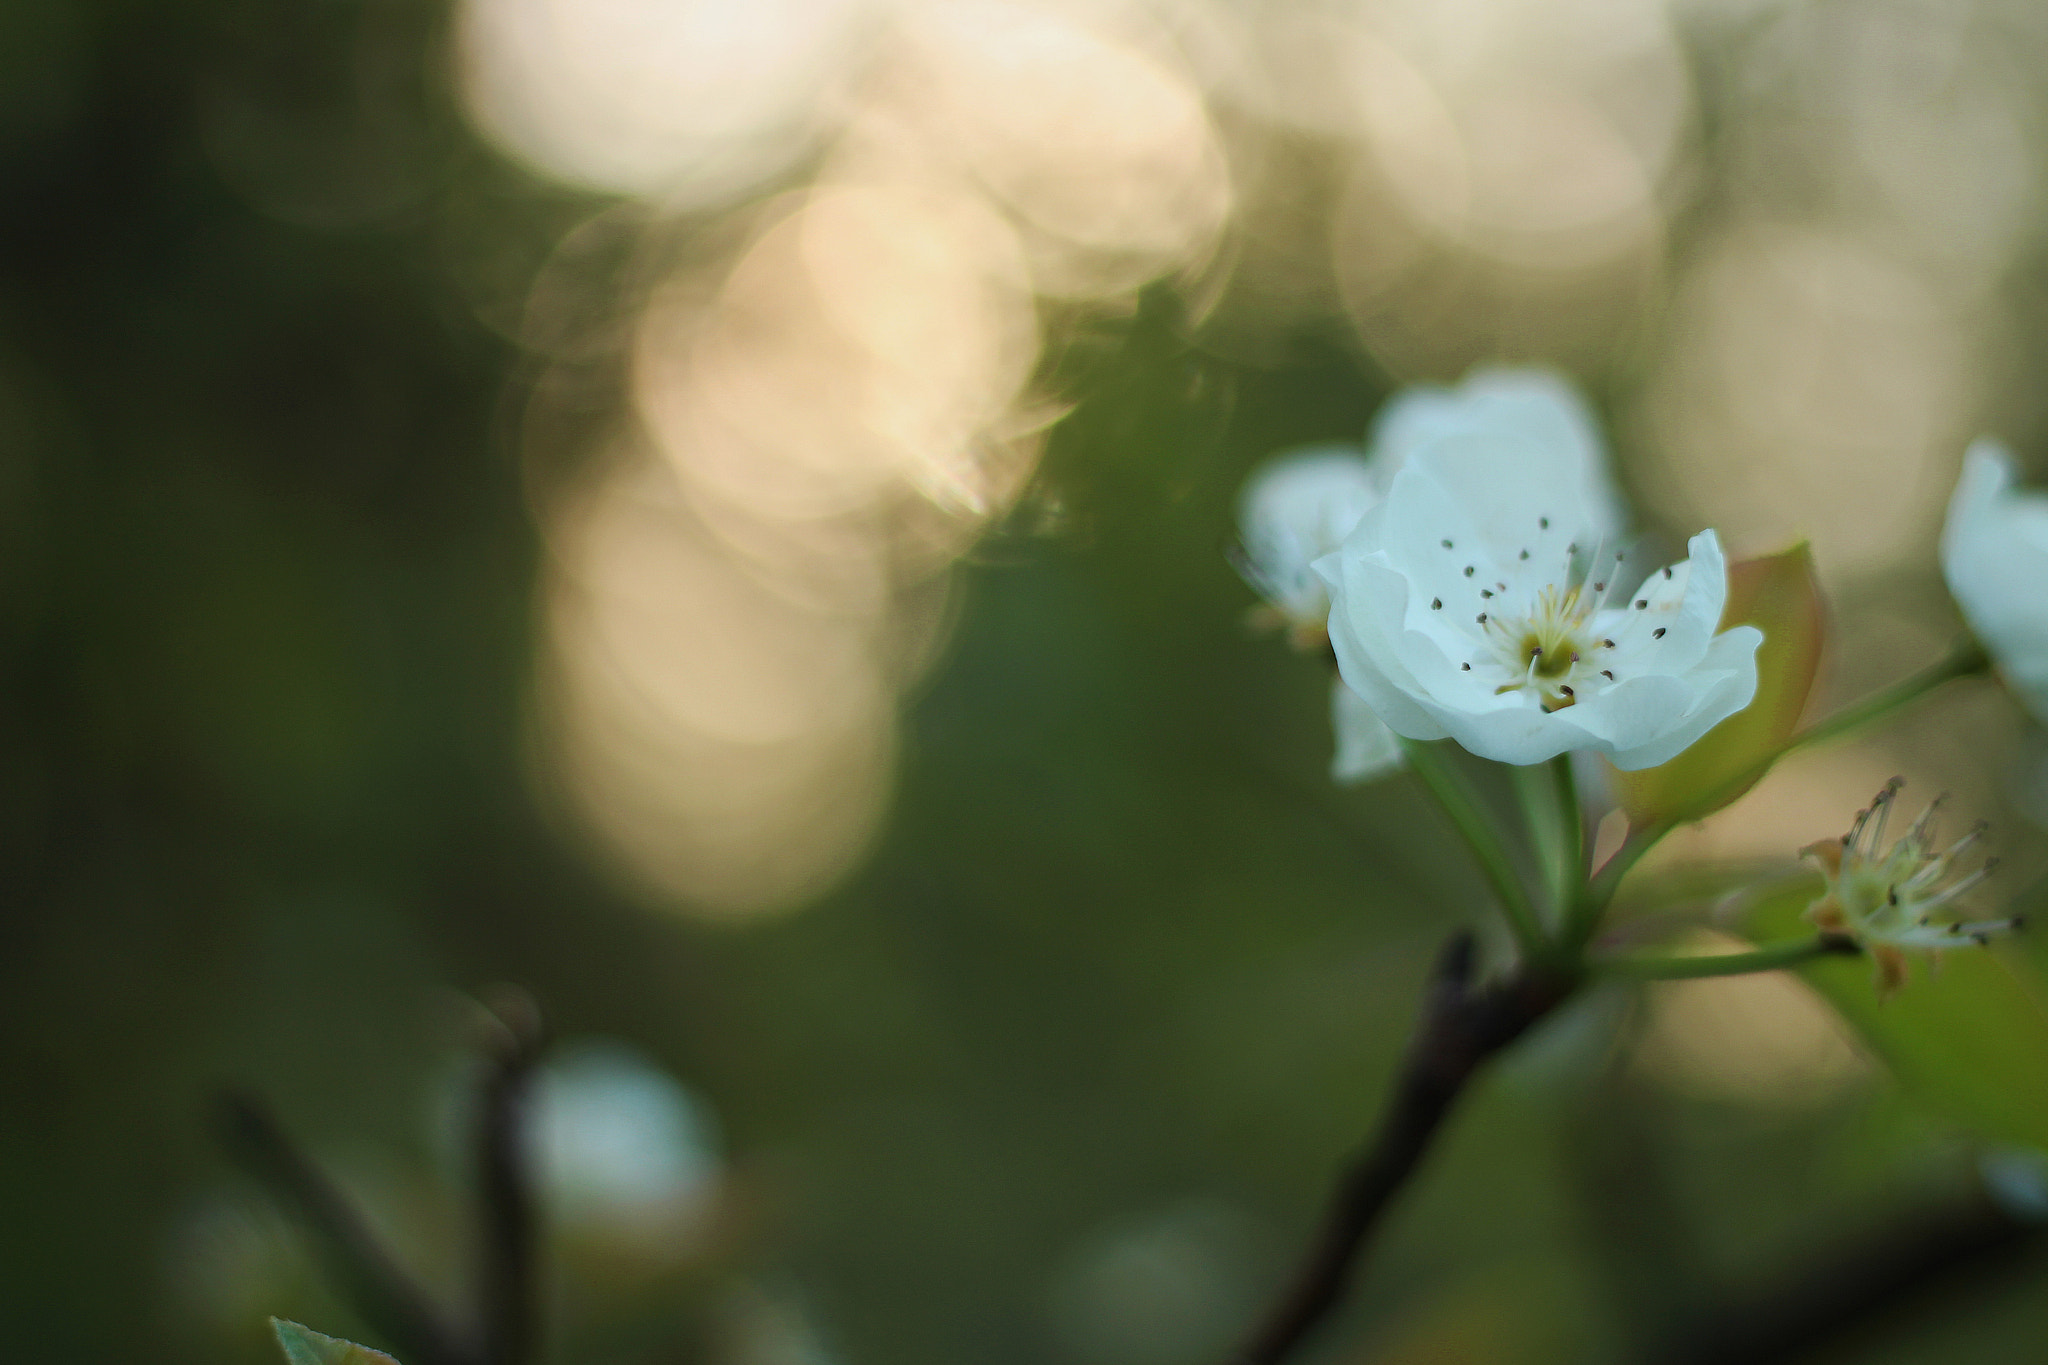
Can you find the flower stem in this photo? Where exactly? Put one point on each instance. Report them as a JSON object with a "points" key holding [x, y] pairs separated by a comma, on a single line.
{"points": [[1571, 839], [1767, 959], [1966, 660], [1461, 805]]}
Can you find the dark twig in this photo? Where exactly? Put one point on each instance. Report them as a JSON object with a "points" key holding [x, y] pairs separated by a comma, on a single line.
{"points": [[382, 1292], [506, 1224], [1460, 1028], [1935, 1254]]}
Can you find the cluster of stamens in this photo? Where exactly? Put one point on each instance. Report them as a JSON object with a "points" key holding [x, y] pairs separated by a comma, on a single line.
{"points": [[1893, 899], [1548, 639]]}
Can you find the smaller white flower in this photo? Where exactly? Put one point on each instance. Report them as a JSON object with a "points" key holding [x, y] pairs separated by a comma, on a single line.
{"points": [[1895, 899], [1994, 553], [1295, 509]]}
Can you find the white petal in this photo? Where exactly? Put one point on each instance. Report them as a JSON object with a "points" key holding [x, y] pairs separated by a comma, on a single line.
{"points": [[1366, 748], [1410, 532], [1994, 553], [1686, 606], [1632, 712], [1726, 679], [1363, 593], [1527, 425], [1521, 733]]}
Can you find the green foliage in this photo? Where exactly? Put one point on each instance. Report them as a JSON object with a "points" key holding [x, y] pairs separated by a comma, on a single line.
{"points": [[304, 1346], [1779, 595], [1967, 1036]]}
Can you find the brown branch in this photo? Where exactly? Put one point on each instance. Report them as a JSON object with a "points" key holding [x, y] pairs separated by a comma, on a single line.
{"points": [[1461, 1026]]}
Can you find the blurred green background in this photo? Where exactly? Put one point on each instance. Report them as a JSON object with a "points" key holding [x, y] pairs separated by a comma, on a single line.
{"points": [[719, 515]]}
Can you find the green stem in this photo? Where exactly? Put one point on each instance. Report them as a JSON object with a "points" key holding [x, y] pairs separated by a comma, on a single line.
{"points": [[1461, 805], [1537, 796], [1571, 842], [1769, 959], [1966, 660]]}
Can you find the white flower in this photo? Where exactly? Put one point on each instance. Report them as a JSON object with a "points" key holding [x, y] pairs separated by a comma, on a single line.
{"points": [[1895, 899], [1483, 600], [1994, 553], [1297, 508]]}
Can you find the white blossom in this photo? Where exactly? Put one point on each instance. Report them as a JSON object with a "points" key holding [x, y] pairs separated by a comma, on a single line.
{"points": [[1484, 599], [1301, 506], [1994, 553], [1891, 900]]}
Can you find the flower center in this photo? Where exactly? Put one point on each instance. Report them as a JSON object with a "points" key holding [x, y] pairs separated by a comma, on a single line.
{"points": [[1549, 648]]}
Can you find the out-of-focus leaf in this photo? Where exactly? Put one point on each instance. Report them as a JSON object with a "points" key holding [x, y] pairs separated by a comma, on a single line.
{"points": [[1969, 1038], [304, 1346], [1779, 595]]}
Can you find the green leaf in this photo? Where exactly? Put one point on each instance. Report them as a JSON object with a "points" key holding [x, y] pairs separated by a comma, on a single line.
{"points": [[304, 1346], [1969, 1039], [1780, 596]]}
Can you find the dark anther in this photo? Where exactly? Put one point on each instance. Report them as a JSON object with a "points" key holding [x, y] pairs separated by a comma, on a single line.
{"points": [[1657, 634]]}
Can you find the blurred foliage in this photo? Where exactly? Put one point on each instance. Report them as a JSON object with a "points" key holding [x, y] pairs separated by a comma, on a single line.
{"points": [[1077, 1050]]}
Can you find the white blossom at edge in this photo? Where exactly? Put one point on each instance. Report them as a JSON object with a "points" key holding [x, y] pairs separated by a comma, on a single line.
{"points": [[1994, 553]]}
